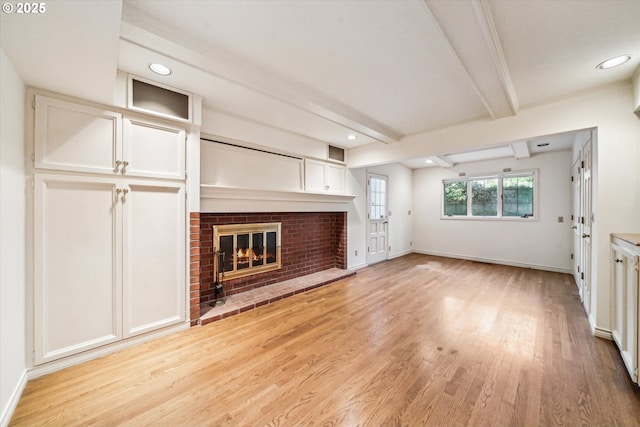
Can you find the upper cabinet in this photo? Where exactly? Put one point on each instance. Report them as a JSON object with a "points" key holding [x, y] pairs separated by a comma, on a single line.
{"points": [[79, 138], [152, 149], [324, 177], [76, 138]]}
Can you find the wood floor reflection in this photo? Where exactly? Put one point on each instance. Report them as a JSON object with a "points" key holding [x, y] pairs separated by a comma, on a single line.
{"points": [[418, 340]]}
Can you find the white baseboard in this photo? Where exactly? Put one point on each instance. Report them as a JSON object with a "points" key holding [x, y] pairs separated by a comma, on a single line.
{"points": [[602, 333], [56, 365], [358, 266], [399, 254], [496, 261], [9, 409]]}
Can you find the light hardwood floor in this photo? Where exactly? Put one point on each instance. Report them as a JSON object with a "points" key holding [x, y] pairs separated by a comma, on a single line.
{"points": [[419, 340]]}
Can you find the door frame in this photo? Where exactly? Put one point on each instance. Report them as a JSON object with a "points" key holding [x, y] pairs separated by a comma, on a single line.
{"points": [[385, 221]]}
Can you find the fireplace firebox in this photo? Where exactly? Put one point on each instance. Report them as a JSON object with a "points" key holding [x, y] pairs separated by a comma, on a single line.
{"points": [[247, 249]]}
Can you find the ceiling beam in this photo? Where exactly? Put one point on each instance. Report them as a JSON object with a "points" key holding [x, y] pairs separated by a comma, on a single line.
{"points": [[492, 41], [520, 149], [456, 57], [442, 161]]}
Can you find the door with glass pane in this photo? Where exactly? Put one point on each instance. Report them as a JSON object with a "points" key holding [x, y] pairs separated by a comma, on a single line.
{"points": [[377, 220]]}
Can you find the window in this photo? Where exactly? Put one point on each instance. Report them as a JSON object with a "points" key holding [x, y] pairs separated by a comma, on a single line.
{"points": [[497, 196], [377, 197], [484, 197], [455, 198]]}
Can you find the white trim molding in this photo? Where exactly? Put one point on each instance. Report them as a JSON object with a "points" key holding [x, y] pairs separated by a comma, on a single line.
{"points": [[12, 404]]}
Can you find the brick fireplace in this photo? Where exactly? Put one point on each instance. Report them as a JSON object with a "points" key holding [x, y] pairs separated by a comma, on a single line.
{"points": [[310, 242]]}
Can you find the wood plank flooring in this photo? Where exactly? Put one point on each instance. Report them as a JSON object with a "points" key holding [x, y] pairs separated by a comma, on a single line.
{"points": [[418, 340]]}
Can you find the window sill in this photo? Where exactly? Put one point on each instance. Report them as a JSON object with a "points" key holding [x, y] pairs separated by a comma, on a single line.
{"points": [[491, 218]]}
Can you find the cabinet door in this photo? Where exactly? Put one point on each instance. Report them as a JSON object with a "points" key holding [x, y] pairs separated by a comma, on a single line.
{"points": [[629, 351], [154, 284], [314, 176], [77, 273], [617, 295], [75, 137], [335, 178], [153, 150], [624, 306]]}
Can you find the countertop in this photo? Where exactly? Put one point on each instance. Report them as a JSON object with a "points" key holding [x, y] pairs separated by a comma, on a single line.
{"points": [[634, 239]]}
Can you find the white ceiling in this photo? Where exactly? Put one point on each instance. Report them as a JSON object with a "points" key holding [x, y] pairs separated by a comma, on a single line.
{"points": [[380, 69]]}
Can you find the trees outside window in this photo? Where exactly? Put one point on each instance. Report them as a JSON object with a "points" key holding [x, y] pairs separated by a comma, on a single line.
{"points": [[507, 195]]}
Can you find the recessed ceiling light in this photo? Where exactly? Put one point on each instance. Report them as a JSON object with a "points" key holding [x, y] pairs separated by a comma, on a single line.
{"points": [[429, 161], [613, 62], [163, 70], [543, 144], [351, 137]]}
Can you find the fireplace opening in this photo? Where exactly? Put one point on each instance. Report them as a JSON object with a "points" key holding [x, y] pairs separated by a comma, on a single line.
{"points": [[247, 248]]}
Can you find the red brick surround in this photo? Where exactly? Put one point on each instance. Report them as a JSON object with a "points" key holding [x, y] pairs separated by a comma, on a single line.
{"points": [[311, 242], [194, 267]]}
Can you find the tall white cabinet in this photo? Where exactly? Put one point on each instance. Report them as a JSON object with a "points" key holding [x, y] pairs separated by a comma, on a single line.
{"points": [[109, 232], [625, 299]]}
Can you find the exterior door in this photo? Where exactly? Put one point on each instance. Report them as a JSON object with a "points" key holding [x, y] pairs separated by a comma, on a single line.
{"points": [[377, 218]]}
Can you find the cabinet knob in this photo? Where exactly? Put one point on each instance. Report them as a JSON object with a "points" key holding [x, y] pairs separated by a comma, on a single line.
{"points": [[584, 236], [618, 260]]}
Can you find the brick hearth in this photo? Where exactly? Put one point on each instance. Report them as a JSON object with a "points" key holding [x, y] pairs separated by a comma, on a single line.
{"points": [[311, 242]]}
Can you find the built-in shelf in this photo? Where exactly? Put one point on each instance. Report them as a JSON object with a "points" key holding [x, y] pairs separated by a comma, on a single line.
{"points": [[237, 193]]}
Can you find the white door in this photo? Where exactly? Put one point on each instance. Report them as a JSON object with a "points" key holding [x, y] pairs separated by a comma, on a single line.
{"points": [[377, 218], [77, 273], [576, 225], [153, 256], [586, 219]]}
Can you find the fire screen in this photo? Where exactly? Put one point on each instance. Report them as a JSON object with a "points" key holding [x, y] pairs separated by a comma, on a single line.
{"points": [[247, 248]]}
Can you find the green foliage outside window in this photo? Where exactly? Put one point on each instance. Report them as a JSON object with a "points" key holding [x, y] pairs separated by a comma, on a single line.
{"points": [[455, 198], [484, 194], [517, 196], [484, 197]]}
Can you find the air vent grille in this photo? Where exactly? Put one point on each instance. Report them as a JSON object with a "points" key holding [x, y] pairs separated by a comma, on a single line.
{"points": [[336, 153]]}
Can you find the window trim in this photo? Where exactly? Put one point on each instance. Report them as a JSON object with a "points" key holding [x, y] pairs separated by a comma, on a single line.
{"points": [[500, 176]]}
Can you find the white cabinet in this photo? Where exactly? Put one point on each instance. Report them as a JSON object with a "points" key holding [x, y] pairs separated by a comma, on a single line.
{"points": [[78, 138], [109, 234], [153, 256], [109, 261], [321, 177], [77, 235], [153, 149], [625, 251]]}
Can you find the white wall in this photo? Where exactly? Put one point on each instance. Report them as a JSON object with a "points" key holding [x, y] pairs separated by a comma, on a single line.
{"points": [[12, 240], [541, 243], [610, 110]]}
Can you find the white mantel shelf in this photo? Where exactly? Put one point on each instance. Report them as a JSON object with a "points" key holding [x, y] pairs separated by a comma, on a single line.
{"points": [[237, 193]]}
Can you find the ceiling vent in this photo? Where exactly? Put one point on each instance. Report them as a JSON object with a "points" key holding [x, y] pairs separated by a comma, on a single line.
{"points": [[335, 153], [160, 100]]}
